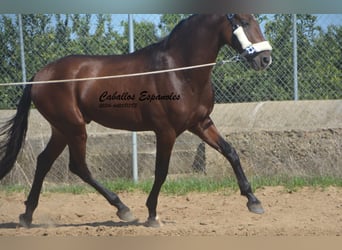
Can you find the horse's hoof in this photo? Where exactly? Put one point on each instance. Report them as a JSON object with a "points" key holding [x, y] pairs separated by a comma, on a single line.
{"points": [[153, 222], [126, 215], [255, 207], [24, 221]]}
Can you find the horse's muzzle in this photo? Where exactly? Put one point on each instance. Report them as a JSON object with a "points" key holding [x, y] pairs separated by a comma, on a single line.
{"points": [[260, 61]]}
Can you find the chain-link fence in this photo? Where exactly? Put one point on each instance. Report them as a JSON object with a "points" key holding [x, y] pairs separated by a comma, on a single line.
{"points": [[307, 65]]}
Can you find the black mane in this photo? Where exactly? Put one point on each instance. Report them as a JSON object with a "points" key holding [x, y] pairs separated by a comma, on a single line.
{"points": [[164, 42]]}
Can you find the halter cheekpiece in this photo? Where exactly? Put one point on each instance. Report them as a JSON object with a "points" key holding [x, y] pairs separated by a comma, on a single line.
{"points": [[249, 48]]}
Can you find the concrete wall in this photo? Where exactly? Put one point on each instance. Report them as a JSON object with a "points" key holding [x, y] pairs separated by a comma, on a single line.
{"points": [[267, 135], [279, 116], [302, 138]]}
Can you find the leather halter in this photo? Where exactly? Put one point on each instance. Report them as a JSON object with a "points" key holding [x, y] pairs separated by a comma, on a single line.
{"points": [[249, 48]]}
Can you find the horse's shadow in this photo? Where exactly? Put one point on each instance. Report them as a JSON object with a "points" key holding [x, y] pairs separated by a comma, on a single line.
{"points": [[14, 225], [9, 225]]}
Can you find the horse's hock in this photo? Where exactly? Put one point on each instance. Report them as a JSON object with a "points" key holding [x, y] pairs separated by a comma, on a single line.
{"points": [[302, 138]]}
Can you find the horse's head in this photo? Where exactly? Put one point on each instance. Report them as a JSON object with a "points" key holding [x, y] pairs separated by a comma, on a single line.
{"points": [[246, 38]]}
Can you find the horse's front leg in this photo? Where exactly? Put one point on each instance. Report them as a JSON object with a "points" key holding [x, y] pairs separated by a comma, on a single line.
{"points": [[165, 142], [207, 131]]}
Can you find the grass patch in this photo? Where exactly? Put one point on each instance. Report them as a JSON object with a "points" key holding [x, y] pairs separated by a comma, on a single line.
{"points": [[179, 186], [202, 185], [13, 188], [294, 183], [187, 185], [67, 188]]}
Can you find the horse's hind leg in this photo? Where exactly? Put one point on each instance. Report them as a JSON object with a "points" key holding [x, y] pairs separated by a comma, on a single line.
{"points": [[44, 162], [207, 131], [77, 165]]}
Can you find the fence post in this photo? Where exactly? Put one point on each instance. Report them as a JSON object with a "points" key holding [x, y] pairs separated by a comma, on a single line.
{"points": [[134, 134], [295, 62], [22, 48]]}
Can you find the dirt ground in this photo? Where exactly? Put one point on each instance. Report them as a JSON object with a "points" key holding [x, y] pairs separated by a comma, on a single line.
{"points": [[305, 212]]}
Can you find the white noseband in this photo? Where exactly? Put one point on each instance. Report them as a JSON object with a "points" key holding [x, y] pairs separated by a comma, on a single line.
{"points": [[248, 47]]}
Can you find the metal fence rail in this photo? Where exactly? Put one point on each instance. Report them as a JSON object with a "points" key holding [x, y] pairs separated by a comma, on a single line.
{"points": [[307, 60]]}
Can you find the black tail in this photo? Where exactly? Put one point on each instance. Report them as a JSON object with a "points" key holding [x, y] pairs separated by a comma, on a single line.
{"points": [[13, 132]]}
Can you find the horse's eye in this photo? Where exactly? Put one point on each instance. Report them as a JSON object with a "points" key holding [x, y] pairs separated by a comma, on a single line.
{"points": [[244, 23]]}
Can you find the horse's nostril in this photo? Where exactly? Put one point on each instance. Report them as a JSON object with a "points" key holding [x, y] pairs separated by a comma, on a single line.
{"points": [[266, 60]]}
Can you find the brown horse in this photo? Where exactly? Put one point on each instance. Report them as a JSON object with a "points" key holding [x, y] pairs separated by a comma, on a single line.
{"points": [[166, 103]]}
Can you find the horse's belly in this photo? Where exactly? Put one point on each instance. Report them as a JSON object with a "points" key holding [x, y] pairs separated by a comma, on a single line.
{"points": [[119, 116]]}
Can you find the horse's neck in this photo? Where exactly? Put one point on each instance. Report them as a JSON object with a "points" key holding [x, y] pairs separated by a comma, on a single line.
{"points": [[198, 43], [194, 46]]}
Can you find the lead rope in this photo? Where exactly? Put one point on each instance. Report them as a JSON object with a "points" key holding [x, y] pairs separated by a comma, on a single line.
{"points": [[222, 62]]}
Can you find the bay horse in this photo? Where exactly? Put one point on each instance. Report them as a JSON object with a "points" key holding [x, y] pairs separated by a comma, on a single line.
{"points": [[166, 103]]}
